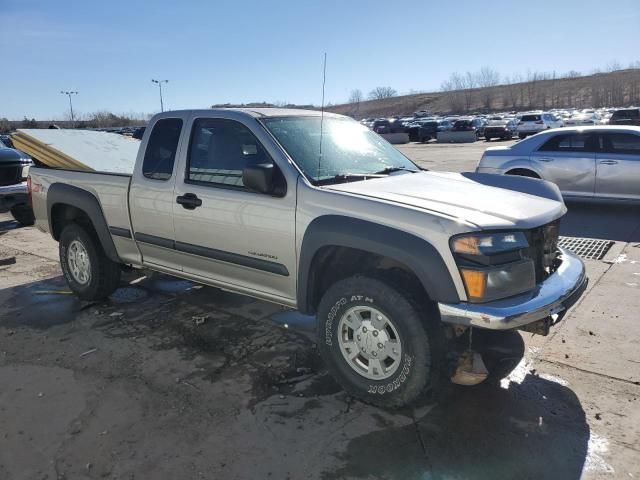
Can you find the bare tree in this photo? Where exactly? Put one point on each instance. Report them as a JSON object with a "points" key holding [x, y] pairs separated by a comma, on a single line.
{"points": [[469, 82], [614, 66], [487, 78], [5, 126], [512, 92], [108, 119], [355, 96], [379, 93], [453, 88]]}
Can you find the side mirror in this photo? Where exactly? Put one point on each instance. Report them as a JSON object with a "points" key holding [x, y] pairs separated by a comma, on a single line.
{"points": [[259, 178]]}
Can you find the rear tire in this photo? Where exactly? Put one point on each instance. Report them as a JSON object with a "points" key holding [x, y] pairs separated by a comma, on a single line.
{"points": [[487, 139], [23, 214], [522, 136], [377, 343], [90, 274]]}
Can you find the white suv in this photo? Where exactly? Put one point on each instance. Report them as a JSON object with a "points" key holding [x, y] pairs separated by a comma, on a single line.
{"points": [[534, 122]]}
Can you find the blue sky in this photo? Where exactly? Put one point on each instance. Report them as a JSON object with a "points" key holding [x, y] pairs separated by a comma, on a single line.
{"points": [[241, 51]]}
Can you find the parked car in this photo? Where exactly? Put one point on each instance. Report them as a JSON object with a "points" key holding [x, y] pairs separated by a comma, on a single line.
{"points": [[532, 123], [503, 129], [381, 126], [600, 162], [138, 133], [625, 116], [444, 125], [395, 262], [581, 119], [423, 130], [470, 124], [14, 169], [388, 125]]}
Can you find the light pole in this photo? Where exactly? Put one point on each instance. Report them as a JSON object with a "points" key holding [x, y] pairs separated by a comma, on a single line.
{"points": [[70, 104], [160, 82]]}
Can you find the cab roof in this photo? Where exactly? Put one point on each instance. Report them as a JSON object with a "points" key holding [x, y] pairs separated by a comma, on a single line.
{"points": [[259, 112]]}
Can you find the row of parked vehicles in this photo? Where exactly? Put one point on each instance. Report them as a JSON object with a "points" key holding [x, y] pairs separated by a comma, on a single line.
{"points": [[502, 126]]}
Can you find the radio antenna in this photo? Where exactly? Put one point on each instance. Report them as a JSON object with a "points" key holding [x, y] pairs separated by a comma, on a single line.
{"points": [[324, 79]]}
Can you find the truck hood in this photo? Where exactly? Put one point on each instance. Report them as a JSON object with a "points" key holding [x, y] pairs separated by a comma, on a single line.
{"points": [[484, 200]]}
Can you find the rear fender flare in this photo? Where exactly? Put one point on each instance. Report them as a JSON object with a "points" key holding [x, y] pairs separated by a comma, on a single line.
{"points": [[61, 193]]}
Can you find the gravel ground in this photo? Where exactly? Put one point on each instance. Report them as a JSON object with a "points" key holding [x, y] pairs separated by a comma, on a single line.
{"points": [[170, 380]]}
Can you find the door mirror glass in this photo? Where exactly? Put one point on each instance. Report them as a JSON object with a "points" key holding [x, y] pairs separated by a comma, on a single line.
{"points": [[258, 178]]}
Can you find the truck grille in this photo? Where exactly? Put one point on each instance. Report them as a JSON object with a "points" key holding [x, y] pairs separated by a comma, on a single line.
{"points": [[10, 174], [543, 249]]}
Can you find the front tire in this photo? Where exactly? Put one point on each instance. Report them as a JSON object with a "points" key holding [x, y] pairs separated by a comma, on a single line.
{"points": [[89, 273], [23, 214], [376, 342]]}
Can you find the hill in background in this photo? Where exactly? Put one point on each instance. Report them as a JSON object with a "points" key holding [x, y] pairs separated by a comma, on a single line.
{"points": [[540, 91]]}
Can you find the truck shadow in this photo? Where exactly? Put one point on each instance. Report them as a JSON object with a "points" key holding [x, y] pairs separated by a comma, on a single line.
{"points": [[534, 429], [616, 222]]}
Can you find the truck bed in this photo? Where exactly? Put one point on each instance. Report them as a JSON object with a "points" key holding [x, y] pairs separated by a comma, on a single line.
{"points": [[111, 190]]}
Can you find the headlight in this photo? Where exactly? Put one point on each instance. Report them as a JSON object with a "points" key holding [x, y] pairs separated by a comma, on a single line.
{"points": [[488, 244], [494, 265], [25, 172]]}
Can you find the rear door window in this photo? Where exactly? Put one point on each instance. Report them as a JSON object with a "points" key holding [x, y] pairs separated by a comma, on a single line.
{"points": [[623, 143], [160, 155], [578, 142]]}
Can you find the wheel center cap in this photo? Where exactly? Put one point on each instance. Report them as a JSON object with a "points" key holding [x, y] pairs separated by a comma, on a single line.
{"points": [[371, 341]]}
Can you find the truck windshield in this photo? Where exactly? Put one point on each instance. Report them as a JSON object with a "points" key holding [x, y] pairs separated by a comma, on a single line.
{"points": [[350, 151]]}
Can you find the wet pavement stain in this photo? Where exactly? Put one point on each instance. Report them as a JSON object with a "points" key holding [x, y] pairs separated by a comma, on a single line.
{"points": [[128, 295], [49, 304], [231, 334]]}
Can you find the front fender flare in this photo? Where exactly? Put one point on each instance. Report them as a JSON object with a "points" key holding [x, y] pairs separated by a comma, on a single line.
{"points": [[416, 253]]}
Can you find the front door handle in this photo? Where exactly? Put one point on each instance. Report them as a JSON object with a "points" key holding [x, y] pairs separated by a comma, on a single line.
{"points": [[189, 201], [608, 162], [546, 159]]}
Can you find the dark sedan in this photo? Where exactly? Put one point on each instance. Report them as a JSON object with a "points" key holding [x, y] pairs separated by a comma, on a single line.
{"points": [[469, 125], [383, 125], [423, 130], [503, 129]]}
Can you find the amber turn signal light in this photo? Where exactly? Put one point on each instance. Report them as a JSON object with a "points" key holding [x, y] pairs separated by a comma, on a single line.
{"points": [[475, 282]]}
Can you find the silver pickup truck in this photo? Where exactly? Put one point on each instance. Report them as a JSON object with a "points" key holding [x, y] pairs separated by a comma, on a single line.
{"points": [[317, 213]]}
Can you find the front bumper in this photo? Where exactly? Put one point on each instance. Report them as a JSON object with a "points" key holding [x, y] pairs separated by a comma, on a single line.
{"points": [[553, 296], [12, 195]]}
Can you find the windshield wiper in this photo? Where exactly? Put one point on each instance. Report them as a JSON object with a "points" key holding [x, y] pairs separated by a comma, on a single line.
{"points": [[388, 170], [347, 177]]}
